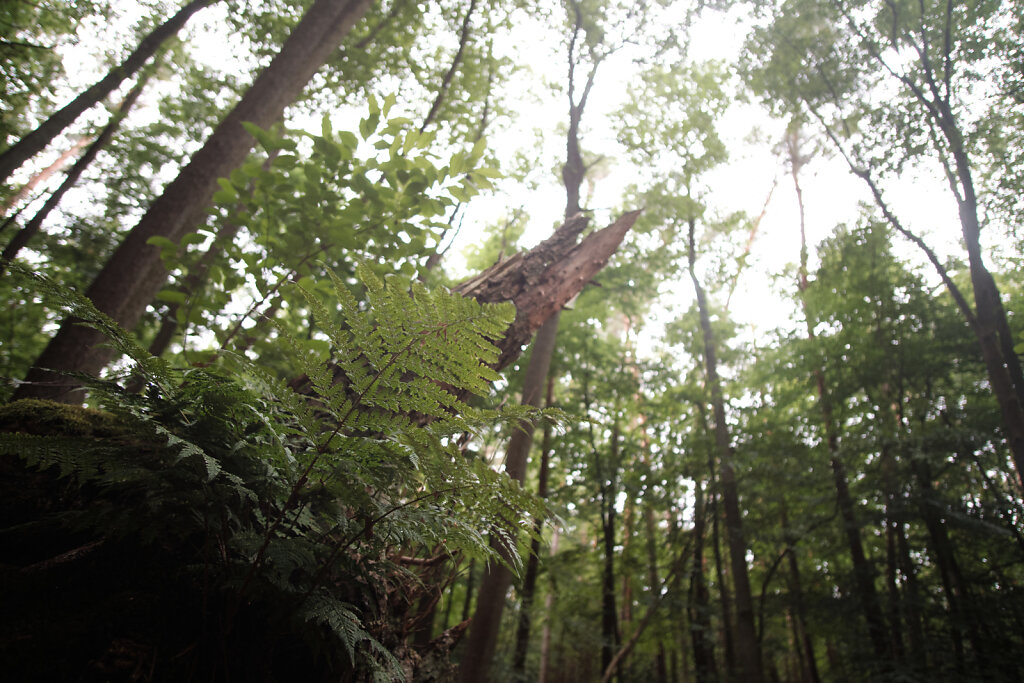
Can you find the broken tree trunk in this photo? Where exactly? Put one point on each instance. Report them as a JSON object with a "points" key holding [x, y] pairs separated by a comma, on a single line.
{"points": [[543, 280], [539, 282]]}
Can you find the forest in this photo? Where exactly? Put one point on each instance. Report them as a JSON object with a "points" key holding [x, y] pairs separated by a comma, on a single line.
{"points": [[512, 340]]}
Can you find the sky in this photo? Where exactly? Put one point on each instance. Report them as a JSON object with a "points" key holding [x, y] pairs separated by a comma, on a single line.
{"points": [[831, 194]]}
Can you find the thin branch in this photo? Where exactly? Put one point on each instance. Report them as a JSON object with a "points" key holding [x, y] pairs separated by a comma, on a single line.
{"points": [[446, 82], [947, 51], [375, 31], [865, 175]]}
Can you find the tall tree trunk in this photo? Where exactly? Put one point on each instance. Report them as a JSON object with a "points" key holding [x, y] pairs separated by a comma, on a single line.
{"points": [[483, 632], [988, 319], [545, 634], [864, 581], [748, 653], [993, 328], [915, 634], [533, 564], [468, 602], [626, 611], [660, 669], [134, 273], [608, 494], [728, 633], [804, 643], [38, 139], [699, 604], [863, 573], [22, 237]]}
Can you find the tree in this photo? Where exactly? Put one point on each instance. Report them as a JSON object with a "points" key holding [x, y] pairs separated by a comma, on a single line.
{"points": [[829, 60], [689, 133], [134, 274], [34, 142]]}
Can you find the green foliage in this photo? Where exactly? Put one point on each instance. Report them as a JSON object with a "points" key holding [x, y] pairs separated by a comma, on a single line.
{"points": [[254, 499], [313, 205]]}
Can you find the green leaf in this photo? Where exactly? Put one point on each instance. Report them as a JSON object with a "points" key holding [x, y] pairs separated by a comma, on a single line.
{"points": [[265, 138], [171, 296], [162, 242]]}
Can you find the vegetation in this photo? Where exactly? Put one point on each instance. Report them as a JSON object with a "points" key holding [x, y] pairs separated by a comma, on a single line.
{"points": [[269, 411]]}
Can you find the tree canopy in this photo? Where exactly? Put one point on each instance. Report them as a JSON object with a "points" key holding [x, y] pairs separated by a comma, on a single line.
{"points": [[567, 340]]}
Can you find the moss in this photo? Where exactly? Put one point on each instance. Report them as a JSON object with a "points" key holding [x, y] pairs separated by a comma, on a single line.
{"points": [[46, 418]]}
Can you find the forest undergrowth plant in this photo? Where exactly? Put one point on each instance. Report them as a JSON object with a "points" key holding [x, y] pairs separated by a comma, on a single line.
{"points": [[262, 524]]}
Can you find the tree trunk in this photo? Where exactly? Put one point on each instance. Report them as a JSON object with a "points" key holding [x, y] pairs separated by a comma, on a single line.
{"points": [[545, 635], [660, 668], [134, 273], [32, 227], [609, 491], [468, 602], [483, 632], [26, 190], [699, 604], [533, 564], [748, 654], [863, 574], [37, 140], [626, 611], [724, 592], [804, 643]]}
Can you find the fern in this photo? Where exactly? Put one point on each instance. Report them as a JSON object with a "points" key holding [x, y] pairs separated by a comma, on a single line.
{"points": [[264, 501]]}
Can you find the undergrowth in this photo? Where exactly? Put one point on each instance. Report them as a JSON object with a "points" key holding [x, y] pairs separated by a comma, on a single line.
{"points": [[219, 525]]}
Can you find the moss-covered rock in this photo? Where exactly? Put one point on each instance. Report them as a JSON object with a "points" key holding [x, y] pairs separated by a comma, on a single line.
{"points": [[49, 418]]}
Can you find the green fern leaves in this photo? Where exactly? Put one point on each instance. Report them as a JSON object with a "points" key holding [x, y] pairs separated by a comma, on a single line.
{"points": [[267, 501]]}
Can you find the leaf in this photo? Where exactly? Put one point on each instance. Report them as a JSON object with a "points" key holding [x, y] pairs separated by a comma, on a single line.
{"points": [[265, 138], [162, 242], [172, 296]]}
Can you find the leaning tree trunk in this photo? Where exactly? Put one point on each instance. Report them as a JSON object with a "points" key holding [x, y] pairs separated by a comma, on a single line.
{"points": [[22, 237], [38, 139], [134, 273]]}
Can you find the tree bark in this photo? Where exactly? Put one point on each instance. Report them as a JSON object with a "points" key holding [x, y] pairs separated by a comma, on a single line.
{"points": [[543, 280], [38, 139], [134, 273]]}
